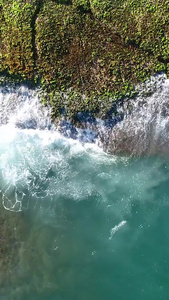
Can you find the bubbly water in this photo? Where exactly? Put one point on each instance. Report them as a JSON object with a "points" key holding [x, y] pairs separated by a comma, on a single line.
{"points": [[75, 222]]}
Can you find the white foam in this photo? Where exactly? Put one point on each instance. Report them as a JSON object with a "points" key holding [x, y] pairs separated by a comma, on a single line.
{"points": [[22, 107], [116, 228], [35, 160]]}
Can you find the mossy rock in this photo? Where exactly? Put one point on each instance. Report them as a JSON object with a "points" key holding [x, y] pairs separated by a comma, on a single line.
{"points": [[83, 6], [99, 49], [16, 35]]}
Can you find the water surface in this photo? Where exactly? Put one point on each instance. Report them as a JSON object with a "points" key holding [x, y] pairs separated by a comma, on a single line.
{"points": [[82, 224], [76, 223]]}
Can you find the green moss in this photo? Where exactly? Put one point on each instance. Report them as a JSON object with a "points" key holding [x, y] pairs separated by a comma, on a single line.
{"points": [[83, 6], [16, 36]]}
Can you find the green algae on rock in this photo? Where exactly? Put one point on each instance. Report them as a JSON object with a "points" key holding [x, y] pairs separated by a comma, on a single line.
{"points": [[98, 49]]}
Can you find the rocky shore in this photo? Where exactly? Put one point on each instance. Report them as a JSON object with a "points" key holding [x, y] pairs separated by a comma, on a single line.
{"points": [[133, 126]]}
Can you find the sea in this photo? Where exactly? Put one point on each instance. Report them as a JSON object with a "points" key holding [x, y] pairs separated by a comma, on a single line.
{"points": [[78, 222]]}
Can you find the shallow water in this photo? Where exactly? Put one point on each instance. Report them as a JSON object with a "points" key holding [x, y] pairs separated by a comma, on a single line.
{"points": [[76, 223]]}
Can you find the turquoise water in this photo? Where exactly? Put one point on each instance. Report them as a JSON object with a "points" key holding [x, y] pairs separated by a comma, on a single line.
{"points": [[80, 224]]}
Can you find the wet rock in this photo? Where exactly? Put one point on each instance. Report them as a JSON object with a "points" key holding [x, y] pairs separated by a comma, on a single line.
{"points": [[27, 124], [110, 123], [85, 117], [87, 135], [67, 129]]}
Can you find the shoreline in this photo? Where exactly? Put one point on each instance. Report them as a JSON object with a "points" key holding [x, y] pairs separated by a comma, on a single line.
{"points": [[132, 127]]}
